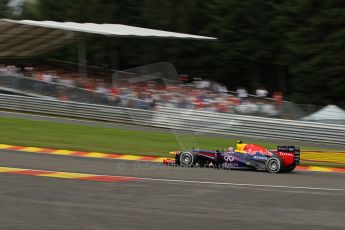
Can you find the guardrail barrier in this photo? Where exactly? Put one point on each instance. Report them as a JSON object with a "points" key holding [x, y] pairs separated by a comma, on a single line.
{"points": [[184, 120]]}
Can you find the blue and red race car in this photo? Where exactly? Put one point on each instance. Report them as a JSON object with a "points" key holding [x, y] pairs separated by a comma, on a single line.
{"points": [[245, 156]]}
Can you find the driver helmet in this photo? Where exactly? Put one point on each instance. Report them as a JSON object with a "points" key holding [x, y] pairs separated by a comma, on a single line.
{"points": [[231, 149]]}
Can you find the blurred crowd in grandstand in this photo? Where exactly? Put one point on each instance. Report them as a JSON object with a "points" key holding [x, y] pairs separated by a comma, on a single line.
{"points": [[203, 95]]}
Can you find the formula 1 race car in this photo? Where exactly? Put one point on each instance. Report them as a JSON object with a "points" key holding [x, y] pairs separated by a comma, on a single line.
{"points": [[245, 156]]}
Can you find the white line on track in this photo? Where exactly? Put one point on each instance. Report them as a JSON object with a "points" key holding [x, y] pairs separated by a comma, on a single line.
{"points": [[215, 183], [242, 185]]}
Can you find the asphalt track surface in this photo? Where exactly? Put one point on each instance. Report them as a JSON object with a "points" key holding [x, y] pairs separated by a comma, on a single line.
{"points": [[165, 197]]}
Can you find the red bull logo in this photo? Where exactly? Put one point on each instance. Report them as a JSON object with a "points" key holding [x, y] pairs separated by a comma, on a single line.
{"points": [[252, 149]]}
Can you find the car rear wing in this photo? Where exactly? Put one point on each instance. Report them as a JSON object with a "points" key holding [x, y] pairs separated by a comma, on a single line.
{"points": [[295, 150]]}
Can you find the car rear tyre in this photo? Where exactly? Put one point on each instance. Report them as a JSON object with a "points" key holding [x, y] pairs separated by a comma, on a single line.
{"points": [[273, 165], [187, 159]]}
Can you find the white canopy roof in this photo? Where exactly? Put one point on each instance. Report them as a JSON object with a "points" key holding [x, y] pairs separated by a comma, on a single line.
{"points": [[327, 114], [30, 38]]}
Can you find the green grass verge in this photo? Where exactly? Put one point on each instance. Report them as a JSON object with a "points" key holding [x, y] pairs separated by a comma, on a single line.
{"points": [[25, 132], [89, 138]]}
